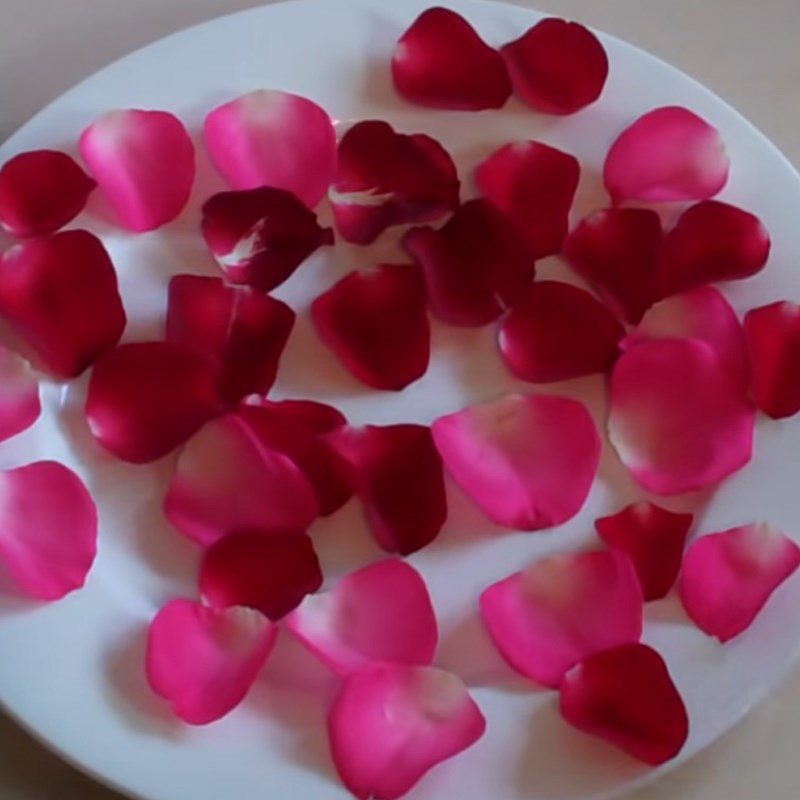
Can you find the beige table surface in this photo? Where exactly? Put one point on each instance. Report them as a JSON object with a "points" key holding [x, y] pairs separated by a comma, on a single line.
{"points": [[748, 51]]}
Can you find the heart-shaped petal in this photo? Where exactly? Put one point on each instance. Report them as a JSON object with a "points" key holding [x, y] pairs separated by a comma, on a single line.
{"points": [[19, 395]]}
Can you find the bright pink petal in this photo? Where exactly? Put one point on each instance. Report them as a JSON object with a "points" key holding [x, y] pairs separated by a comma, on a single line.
{"points": [[225, 480], [557, 66], [146, 399], [442, 62], [19, 395], [397, 473], [375, 322], [556, 331], [533, 184], [392, 723], [59, 294], [728, 577], [653, 538], [712, 242], [381, 612], [527, 461], [244, 329], [144, 162], [41, 191], [678, 441], [261, 236], [385, 178], [272, 138], [203, 661], [668, 154], [626, 696], [473, 266], [48, 529], [616, 250], [773, 342]]}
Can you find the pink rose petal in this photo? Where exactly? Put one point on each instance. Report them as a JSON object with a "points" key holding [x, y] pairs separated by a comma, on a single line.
{"points": [[19, 395]]}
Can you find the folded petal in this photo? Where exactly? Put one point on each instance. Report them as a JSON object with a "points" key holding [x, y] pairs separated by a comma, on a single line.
{"points": [[653, 538], [19, 395], [261, 236], [557, 66], [678, 441], [728, 577], [41, 191], [556, 331], [59, 294], [143, 162], [527, 461], [203, 661], [375, 321], [146, 399], [48, 529], [534, 185], [392, 723], [626, 696], [273, 138], [381, 612]]}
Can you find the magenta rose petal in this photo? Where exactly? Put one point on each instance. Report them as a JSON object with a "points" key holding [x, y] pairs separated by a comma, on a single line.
{"points": [[728, 577], [19, 395], [392, 723], [381, 612]]}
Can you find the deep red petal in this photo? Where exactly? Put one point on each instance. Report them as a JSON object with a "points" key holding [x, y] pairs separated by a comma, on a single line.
{"points": [[19, 395]]}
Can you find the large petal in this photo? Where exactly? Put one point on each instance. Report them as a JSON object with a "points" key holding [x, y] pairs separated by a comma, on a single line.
{"points": [[19, 395], [528, 461], [144, 162], [728, 577], [392, 723]]}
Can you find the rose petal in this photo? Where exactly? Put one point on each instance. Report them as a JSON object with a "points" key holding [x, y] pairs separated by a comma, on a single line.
{"points": [[392, 723], [557, 66], [527, 461], [59, 294], [534, 185], [261, 236], [473, 266], [666, 155], [19, 395], [381, 612], [397, 473], [146, 399], [442, 62], [244, 329], [144, 162], [272, 138], [728, 577], [616, 250], [375, 322], [678, 441], [773, 342], [225, 480], [384, 178], [626, 696], [48, 529], [556, 332], [41, 191], [204, 660], [653, 538]]}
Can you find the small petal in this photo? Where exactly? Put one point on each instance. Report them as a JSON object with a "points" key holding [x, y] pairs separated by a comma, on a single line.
{"points": [[203, 661], [534, 185], [144, 162], [667, 155], [557, 67], [728, 577], [527, 461], [653, 538], [556, 332], [626, 696], [392, 723], [19, 395], [374, 320], [381, 612], [41, 191]]}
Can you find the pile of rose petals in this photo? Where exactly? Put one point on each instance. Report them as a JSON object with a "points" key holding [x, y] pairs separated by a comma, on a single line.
{"points": [[252, 474]]}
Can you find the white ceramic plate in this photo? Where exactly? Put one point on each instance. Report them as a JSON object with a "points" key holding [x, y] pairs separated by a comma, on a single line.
{"points": [[71, 672]]}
